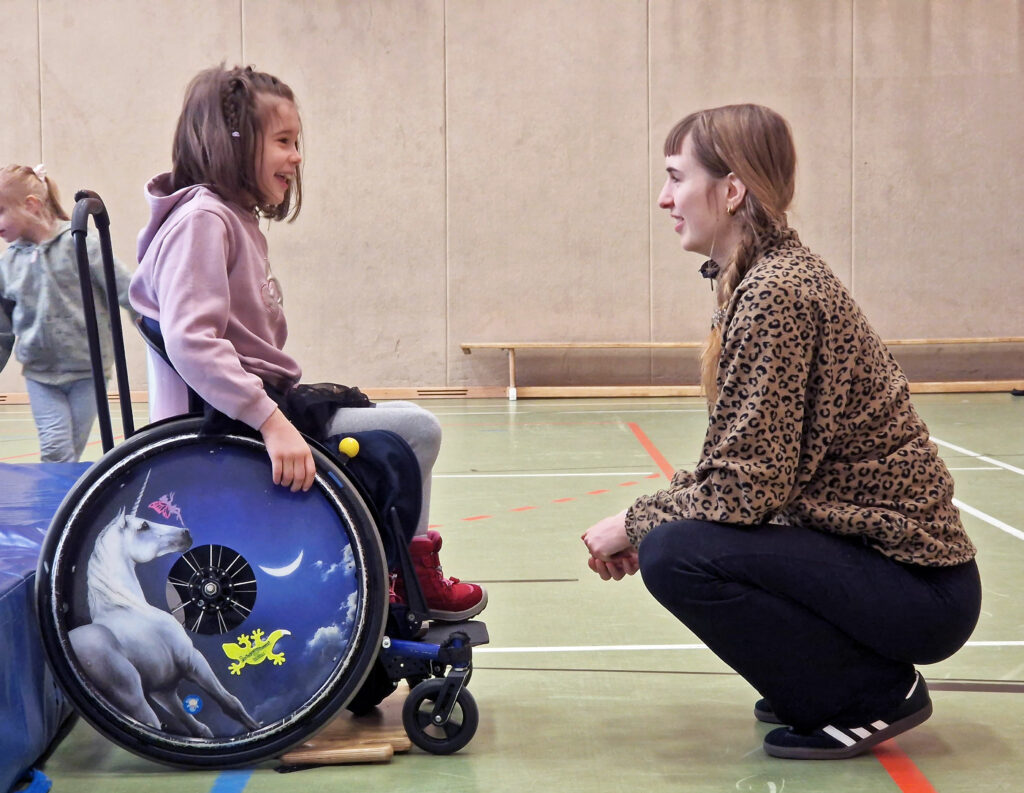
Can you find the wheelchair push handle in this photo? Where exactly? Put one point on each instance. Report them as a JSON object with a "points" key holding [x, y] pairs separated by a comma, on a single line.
{"points": [[88, 203]]}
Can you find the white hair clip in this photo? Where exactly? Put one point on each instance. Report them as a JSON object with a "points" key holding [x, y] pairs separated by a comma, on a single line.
{"points": [[40, 172], [235, 134]]}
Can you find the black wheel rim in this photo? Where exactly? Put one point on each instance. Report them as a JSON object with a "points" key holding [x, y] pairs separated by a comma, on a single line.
{"points": [[445, 738], [284, 596]]}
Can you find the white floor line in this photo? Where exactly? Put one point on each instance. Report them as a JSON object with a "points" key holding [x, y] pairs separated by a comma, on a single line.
{"points": [[528, 412], [638, 410], [533, 406], [512, 476], [477, 413], [981, 457], [600, 648], [605, 402], [988, 519], [612, 648], [976, 468]]}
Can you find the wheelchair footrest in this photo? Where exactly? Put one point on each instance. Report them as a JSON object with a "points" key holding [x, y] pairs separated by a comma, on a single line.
{"points": [[438, 632]]}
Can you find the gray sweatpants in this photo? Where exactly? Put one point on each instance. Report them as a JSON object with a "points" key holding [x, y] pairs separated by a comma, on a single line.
{"points": [[419, 427]]}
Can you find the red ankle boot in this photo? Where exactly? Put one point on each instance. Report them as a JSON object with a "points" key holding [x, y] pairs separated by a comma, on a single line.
{"points": [[448, 599]]}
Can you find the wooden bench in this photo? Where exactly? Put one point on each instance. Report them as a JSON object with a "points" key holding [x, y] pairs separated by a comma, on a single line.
{"points": [[510, 348]]}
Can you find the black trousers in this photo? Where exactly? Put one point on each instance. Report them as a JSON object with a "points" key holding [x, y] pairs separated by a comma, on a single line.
{"points": [[825, 627]]}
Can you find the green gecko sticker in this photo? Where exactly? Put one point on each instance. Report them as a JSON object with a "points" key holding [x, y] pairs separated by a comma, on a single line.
{"points": [[253, 649]]}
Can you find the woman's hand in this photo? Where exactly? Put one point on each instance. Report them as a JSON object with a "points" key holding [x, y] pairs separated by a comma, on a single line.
{"points": [[618, 567], [290, 457], [611, 555]]}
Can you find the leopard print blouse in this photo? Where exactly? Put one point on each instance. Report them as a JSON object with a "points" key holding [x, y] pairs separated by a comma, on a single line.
{"points": [[813, 426]]}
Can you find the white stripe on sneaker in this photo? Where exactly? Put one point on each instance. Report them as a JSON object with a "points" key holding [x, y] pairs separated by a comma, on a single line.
{"points": [[839, 735], [879, 725], [860, 732], [917, 677]]}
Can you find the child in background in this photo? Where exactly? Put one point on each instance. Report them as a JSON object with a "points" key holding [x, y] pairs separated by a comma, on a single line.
{"points": [[41, 308], [204, 275]]}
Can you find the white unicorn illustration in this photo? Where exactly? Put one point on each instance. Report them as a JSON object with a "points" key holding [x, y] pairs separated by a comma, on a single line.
{"points": [[135, 653]]}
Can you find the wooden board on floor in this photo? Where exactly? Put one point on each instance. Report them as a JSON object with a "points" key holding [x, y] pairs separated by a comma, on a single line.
{"points": [[373, 738]]}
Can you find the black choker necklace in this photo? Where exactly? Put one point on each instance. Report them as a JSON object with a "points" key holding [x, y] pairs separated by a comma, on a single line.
{"points": [[710, 271]]}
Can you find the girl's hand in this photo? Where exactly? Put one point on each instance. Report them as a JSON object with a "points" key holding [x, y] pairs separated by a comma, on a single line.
{"points": [[611, 554], [290, 457]]}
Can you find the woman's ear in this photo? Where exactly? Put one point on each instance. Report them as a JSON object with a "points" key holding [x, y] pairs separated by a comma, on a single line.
{"points": [[735, 191]]}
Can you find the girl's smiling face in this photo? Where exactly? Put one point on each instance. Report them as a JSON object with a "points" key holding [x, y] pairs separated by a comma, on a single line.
{"points": [[278, 156]]}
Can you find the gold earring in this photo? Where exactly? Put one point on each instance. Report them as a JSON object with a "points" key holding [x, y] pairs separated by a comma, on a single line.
{"points": [[729, 210]]}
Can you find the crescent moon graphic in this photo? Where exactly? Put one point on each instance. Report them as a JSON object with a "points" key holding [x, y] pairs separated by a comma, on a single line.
{"points": [[288, 569]]}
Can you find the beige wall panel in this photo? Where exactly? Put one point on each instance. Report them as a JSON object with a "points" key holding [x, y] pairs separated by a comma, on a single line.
{"points": [[489, 169], [19, 97], [114, 76], [363, 267], [939, 194], [547, 181], [19, 90], [791, 55]]}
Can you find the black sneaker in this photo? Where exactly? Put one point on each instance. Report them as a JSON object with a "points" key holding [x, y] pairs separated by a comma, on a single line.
{"points": [[763, 711], [835, 743]]}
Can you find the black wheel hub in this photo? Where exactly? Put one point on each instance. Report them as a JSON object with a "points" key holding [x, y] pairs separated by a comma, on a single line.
{"points": [[214, 589]]}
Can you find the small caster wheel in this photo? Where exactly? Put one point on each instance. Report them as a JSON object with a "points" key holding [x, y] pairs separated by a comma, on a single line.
{"points": [[439, 738]]}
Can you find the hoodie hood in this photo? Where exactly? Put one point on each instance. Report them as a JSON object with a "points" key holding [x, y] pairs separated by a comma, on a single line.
{"points": [[162, 202]]}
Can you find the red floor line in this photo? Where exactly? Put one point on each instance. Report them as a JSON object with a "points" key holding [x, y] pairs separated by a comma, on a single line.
{"points": [[658, 457], [902, 769], [651, 450]]}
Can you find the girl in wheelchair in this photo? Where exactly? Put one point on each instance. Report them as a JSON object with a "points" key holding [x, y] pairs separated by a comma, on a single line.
{"points": [[204, 275]]}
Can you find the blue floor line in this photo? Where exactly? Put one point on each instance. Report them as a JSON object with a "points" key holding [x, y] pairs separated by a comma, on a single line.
{"points": [[231, 781]]}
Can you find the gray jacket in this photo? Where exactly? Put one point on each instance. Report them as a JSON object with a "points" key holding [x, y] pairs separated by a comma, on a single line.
{"points": [[41, 307]]}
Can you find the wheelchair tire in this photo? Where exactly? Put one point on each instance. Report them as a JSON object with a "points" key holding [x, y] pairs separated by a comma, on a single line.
{"points": [[439, 738], [201, 616]]}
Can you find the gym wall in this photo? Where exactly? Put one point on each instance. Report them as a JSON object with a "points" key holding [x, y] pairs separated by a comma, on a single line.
{"points": [[487, 170]]}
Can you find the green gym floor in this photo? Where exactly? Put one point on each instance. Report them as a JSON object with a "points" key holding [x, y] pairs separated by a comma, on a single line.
{"points": [[588, 685]]}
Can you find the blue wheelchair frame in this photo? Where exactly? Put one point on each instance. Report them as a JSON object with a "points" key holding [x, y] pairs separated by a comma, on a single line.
{"points": [[439, 715]]}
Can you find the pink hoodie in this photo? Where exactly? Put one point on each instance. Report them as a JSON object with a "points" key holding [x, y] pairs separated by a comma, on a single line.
{"points": [[203, 276]]}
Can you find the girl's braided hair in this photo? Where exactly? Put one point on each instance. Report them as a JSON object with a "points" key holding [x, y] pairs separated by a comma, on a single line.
{"points": [[21, 181], [755, 143], [219, 138]]}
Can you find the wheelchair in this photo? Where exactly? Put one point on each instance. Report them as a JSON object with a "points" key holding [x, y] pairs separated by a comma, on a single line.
{"points": [[199, 615]]}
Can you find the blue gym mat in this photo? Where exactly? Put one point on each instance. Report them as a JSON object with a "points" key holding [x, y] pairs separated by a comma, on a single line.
{"points": [[32, 708]]}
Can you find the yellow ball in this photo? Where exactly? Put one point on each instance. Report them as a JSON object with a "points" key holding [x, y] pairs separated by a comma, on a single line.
{"points": [[348, 446]]}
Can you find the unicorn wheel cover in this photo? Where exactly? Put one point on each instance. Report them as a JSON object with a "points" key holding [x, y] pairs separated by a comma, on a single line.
{"points": [[199, 615]]}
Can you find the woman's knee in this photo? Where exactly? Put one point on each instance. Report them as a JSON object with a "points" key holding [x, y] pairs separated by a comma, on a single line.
{"points": [[683, 559], [663, 559]]}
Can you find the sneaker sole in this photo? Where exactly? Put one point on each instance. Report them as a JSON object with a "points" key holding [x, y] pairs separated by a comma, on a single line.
{"points": [[767, 716], [459, 616], [842, 752]]}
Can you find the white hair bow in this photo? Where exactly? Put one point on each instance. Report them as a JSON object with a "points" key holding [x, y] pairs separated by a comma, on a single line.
{"points": [[40, 172]]}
